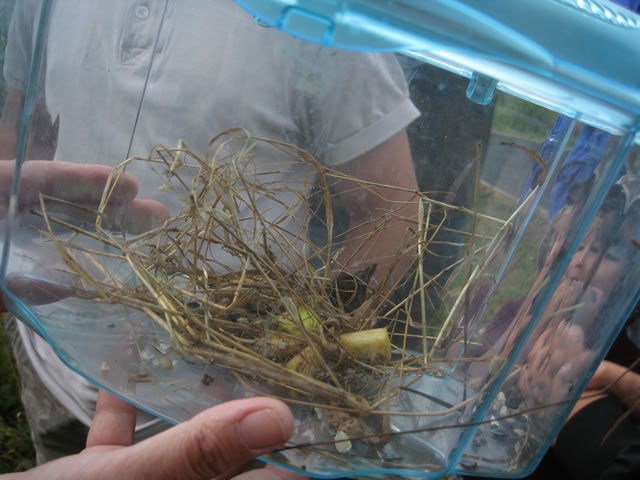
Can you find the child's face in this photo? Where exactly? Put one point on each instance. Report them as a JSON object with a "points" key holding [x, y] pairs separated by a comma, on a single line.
{"points": [[594, 271], [598, 266]]}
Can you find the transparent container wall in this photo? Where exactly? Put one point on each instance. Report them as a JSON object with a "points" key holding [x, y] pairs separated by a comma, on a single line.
{"points": [[530, 330], [343, 230]]}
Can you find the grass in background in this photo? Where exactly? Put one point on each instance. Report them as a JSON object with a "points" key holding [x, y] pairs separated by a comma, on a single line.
{"points": [[16, 450], [522, 268], [513, 116]]}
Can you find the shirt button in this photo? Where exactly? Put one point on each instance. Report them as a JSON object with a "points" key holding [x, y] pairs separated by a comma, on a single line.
{"points": [[142, 12]]}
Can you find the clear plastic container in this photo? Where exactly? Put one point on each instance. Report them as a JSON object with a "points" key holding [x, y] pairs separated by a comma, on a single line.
{"points": [[412, 221]]}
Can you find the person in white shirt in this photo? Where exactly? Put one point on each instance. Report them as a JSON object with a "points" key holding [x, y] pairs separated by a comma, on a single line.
{"points": [[200, 67]]}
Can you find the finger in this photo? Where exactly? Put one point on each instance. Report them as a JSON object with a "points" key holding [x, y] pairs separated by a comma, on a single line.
{"points": [[285, 473], [538, 345], [113, 423], [83, 186], [210, 445], [538, 360], [36, 291], [271, 472], [84, 183], [136, 216], [73, 182], [143, 215]]}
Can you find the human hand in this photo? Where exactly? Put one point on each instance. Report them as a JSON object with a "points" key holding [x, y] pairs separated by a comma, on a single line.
{"points": [[82, 185], [614, 379], [622, 383], [214, 444], [553, 366], [79, 185]]}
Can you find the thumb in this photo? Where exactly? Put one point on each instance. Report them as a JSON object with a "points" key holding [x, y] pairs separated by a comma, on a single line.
{"points": [[214, 443]]}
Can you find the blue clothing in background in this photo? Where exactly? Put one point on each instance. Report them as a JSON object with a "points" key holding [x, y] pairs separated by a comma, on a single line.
{"points": [[580, 164], [584, 157], [633, 5]]}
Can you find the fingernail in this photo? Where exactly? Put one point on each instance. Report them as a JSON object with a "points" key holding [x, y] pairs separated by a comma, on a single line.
{"points": [[262, 429]]}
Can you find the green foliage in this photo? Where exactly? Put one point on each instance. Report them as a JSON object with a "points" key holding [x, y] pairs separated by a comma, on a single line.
{"points": [[515, 116], [16, 449]]}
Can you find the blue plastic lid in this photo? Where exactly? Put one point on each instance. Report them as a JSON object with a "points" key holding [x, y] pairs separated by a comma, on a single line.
{"points": [[578, 57]]}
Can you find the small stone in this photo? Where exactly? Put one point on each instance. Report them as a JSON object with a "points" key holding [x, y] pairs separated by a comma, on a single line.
{"points": [[495, 364], [494, 423], [343, 444], [146, 355], [105, 367], [162, 348], [475, 384]]}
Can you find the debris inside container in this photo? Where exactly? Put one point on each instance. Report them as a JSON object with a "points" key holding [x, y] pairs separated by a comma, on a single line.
{"points": [[294, 318]]}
